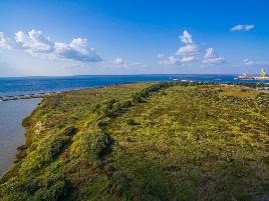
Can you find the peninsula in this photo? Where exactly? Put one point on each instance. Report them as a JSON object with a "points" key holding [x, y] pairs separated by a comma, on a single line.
{"points": [[145, 141]]}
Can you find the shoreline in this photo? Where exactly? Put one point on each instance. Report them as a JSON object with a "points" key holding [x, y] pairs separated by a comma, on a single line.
{"points": [[50, 93], [263, 88], [21, 148], [13, 133], [27, 96]]}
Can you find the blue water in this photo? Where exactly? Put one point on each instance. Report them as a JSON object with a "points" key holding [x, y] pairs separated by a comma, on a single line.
{"points": [[29, 85]]}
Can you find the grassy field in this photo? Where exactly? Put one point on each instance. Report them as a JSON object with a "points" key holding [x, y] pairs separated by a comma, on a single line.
{"points": [[147, 141]]}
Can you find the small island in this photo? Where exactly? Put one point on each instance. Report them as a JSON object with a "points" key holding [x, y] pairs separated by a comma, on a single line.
{"points": [[145, 141]]}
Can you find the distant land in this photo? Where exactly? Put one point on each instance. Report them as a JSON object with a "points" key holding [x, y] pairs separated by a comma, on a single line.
{"points": [[145, 141]]}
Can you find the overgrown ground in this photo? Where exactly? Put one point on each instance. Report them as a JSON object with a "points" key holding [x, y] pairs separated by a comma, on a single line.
{"points": [[148, 141]]}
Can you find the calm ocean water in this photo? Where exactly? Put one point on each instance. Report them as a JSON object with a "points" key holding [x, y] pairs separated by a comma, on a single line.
{"points": [[13, 112], [29, 85], [11, 131]]}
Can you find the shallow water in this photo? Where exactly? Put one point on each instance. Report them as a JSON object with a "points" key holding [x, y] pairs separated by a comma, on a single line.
{"points": [[11, 132]]}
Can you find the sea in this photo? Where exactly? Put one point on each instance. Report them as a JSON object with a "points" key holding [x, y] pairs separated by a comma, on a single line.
{"points": [[12, 112], [30, 85]]}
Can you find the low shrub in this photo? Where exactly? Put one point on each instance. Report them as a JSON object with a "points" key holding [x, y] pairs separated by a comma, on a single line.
{"points": [[52, 187], [26, 122], [70, 131], [99, 144], [132, 122], [111, 103], [141, 96], [57, 146]]}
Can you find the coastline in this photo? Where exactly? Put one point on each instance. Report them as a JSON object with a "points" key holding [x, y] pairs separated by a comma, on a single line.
{"points": [[12, 136], [97, 136], [26, 96], [20, 149]]}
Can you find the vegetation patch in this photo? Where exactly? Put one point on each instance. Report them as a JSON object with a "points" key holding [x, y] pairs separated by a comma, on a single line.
{"points": [[145, 141], [98, 144]]}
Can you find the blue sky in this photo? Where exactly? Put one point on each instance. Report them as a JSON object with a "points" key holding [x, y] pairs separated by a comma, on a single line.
{"points": [[133, 37]]}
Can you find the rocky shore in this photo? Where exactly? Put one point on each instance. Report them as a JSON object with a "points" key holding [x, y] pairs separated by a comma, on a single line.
{"points": [[26, 96]]}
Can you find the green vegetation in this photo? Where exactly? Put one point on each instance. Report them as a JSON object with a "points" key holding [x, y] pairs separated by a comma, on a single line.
{"points": [[146, 141]]}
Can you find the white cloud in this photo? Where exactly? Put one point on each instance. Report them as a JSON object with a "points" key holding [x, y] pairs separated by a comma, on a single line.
{"points": [[189, 51], [212, 58], [248, 61], [186, 53], [77, 50], [35, 43], [4, 42], [242, 27], [160, 56], [186, 38], [118, 61], [170, 61], [187, 59]]}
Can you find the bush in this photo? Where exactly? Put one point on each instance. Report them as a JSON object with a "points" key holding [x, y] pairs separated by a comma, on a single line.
{"points": [[57, 146], [141, 96], [114, 108], [99, 145], [118, 108], [26, 122], [110, 103], [70, 131], [47, 150], [52, 186], [53, 193], [132, 122], [96, 107], [138, 98]]}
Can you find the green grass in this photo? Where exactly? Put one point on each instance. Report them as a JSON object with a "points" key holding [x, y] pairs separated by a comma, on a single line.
{"points": [[147, 141]]}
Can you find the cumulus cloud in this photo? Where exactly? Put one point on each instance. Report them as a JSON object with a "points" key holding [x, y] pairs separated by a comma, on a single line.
{"points": [[118, 61], [170, 61], [186, 37], [35, 43], [243, 27], [189, 51], [211, 57], [187, 59], [4, 42], [77, 50], [186, 53]]}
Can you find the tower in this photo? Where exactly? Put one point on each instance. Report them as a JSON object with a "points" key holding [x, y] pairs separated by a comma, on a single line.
{"points": [[262, 76]]}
